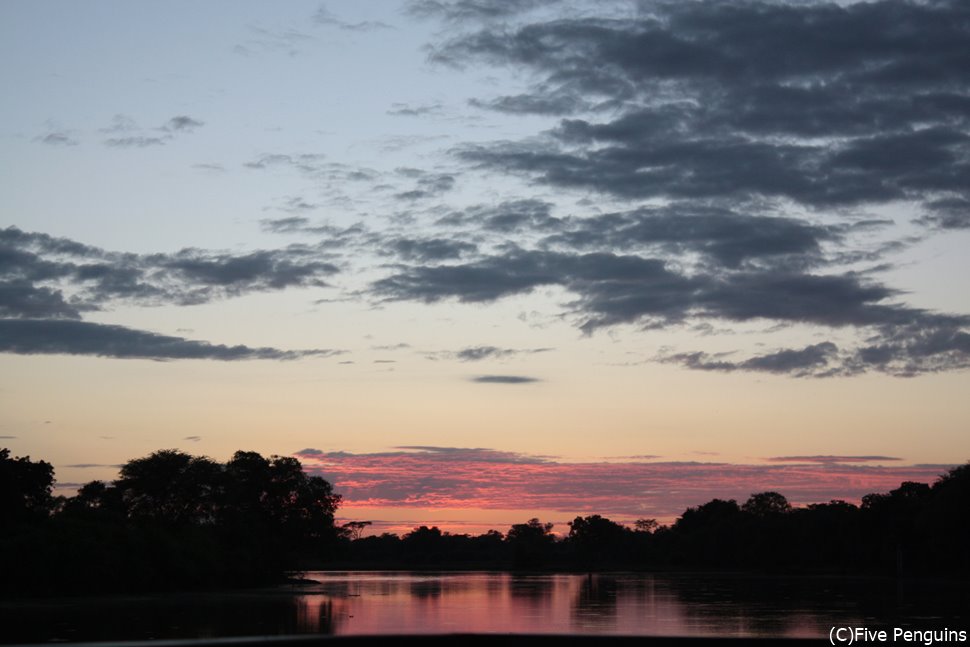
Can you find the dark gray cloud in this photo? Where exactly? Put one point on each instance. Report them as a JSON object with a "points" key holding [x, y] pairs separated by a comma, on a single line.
{"points": [[462, 10], [36, 269], [428, 249], [820, 104], [478, 353], [506, 217], [21, 298], [724, 237], [182, 123], [194, 439], [538, 103], [814, 360], [948, 213], [46, 283], [426, 184], [65, 337], [233, 274], [504, 379], [735, 118], [616, 289]]}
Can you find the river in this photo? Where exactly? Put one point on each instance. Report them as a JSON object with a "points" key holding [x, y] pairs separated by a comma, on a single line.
{"points": [[363, 602]]}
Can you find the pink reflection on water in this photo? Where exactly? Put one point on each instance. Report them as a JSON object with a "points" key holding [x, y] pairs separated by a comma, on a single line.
{"points": [[360, 603]]}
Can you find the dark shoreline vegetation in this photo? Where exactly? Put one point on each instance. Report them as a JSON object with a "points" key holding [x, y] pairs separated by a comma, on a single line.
{"points": [[173, 521]]}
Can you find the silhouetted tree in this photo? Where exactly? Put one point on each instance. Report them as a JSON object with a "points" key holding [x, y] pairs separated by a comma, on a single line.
{"points": [[353, 529], [531, 543], [709, 535], [171, 487], [597, 541], [766, 504], [947, 523], [646, 525], [25, 489]]}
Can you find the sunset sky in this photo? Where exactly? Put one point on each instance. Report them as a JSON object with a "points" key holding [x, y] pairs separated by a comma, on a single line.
{"points": [[477, 261]]}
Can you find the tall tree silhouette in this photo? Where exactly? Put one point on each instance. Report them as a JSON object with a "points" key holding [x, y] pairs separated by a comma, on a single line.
{"points": [[531, 543], [25, 489]]}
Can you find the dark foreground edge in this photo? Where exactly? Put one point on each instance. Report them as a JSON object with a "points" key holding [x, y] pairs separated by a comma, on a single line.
{"points": [[458, 640]]}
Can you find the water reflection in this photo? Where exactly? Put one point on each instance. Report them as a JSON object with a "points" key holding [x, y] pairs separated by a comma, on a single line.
{"points": [[415, 603]]}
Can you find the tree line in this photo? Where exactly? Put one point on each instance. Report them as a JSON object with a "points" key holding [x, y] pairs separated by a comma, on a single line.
{"points": [[176, 521], [915, 529], [170, 521]]}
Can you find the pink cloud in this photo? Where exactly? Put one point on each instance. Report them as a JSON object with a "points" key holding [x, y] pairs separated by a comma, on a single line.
{"points": [[474, 478]]}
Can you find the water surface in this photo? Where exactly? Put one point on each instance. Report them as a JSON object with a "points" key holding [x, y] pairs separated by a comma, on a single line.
{"points": [[346, 603]]}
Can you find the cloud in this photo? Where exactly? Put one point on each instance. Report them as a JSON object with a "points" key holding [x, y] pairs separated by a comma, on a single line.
{"points": [[7, 437], [467, 478], [398, 346], [210, 166], [264, 41], [120, 123], [21, 298], [57, 138], [429, 249], [324, 16], [305, 162], [556, 103], [478, 353], [182, 123], [134, 142], [407, 110], [65, 337], [698, 104], [948, 213], [193, 439], [127, 133], [309, 451], [828, 459], [506, 217], [814, 360], [504, 379], [426, 184], [464, 10], [614, 289], [721, 236], [36, 269]]}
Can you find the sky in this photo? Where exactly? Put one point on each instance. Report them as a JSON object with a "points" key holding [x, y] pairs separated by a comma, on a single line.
{"points": [[476, 261]]}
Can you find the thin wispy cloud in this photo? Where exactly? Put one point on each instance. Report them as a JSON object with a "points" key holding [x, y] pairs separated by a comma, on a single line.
{"points": [[67, 337], [504, 379], [827, 459], [57, 138], [325, 17]]}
